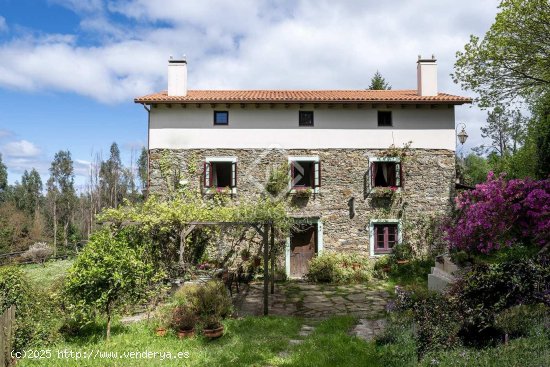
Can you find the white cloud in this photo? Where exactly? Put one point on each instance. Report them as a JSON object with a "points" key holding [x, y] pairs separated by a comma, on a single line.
{"points": [[82, 167], [5, 133], [80, 6], [20, 149], [3, 24], [248, 44]]}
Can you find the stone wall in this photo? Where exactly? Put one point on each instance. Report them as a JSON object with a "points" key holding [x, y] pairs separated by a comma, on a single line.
{"points": [[428, 186]]}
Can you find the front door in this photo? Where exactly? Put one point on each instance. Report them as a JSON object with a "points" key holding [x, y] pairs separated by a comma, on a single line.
{"points": [[303, 246]]}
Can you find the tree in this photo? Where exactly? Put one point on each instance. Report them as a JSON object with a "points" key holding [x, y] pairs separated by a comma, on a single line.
{"points": [[30, 192], [61, 193], [378, 82], [3, 178], [111, 175], [513, 58], [541, 132], [106, 275], [475, 169], [505, 130], [142, 164]]}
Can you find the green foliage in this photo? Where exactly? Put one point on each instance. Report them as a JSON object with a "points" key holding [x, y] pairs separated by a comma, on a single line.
{"points": [[520, 320], [488, 289], [3, 178], [512, 59], [278, 180], [378, 82], [106, 275], [397, 345], [333, 267], [475, 169], [212, 304], [142, 166], [36, 322]]}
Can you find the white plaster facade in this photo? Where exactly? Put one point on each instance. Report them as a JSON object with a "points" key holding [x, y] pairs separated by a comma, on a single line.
{"points": [[265, 127]]}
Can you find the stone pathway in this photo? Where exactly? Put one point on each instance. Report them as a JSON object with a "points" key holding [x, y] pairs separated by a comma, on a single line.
{"points": [[368, 329], [315, 301], [305, 331]]}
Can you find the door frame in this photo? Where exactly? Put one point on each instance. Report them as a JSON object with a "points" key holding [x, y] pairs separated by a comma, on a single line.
{"points": [[319, 235]]}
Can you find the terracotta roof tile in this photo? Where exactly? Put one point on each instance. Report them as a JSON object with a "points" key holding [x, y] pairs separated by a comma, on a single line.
{"points": [[301, 96]]}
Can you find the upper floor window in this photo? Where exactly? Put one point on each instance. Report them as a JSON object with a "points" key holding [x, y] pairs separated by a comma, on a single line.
{"points": [[386, 236], [221, 118], [220, 174], [384, 118], [385, 174], [305, 173], [305, 118]]}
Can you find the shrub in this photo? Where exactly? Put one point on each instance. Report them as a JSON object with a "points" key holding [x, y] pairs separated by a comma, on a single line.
{"points": [[107, 274], [522, 319], [331, 267], [38, 253], [488, 289], [501, 213], [184, 317], [35, 313], [436, 318], [213, 303]]}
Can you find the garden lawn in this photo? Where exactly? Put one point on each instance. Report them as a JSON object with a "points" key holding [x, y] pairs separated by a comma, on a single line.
{"points": [[45, 276]]}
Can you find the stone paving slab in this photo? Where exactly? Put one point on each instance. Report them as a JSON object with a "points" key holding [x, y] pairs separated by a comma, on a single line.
{"points": [[316, 301]]}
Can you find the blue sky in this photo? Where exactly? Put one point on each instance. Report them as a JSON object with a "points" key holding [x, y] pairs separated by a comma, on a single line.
{"points": [[69, 69]]}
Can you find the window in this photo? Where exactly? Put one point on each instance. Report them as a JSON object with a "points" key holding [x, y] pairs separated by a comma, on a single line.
{"points": [[386, 236], [220, 174], [384, 118], [305, 173], [385, 174], [305, 118], [221, 118]]}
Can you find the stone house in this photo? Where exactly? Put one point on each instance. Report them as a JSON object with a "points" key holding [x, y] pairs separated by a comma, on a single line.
{"points": [[366, 168]]}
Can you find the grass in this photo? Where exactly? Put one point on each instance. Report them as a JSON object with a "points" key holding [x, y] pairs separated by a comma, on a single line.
{"points": [[45, 276], [252, 341]]}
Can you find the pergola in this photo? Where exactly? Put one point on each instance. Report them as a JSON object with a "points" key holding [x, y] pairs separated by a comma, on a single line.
{"points": [[264, 229]]}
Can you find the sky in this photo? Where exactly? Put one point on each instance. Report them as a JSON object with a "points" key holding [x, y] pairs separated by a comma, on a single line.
{"points": [[70, 69]]}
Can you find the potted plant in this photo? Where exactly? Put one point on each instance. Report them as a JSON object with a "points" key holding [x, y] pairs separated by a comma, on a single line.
{"points": [[213, 328], [213, 304], [162, 321], [385, 192], [245, 254], [302, 192], [184, 319], [257, 261]]}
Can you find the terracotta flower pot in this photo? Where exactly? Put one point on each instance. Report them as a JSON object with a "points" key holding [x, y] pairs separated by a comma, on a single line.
{"points": [[160, 331], [186, 333], [213, 333]]}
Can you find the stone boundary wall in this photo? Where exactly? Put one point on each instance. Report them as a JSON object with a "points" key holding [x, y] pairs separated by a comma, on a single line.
{"points": [[428, 188]]}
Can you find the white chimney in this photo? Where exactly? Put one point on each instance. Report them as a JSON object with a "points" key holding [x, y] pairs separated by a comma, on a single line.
{"points": [[177, 77], [426, 76]]}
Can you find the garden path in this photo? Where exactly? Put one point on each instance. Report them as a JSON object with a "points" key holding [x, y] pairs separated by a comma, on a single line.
{"points": [[315, 301]]}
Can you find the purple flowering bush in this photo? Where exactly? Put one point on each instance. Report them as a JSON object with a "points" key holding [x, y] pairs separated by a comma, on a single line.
{"points": [[501, 213]]}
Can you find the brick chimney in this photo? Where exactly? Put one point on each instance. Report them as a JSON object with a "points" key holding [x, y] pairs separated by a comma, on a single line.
{"points": [[426, 76], [177, 77]]}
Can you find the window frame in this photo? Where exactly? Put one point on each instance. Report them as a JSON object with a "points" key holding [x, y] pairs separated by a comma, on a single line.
{"points": [[207, 175], [398, 171], [301, 113], [373, 240], [383, 112], [316, 182], [216, 123]]}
